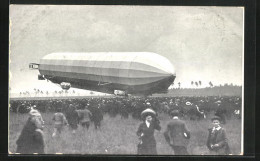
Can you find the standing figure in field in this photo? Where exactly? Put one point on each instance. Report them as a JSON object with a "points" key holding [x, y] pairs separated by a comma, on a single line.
{"points": [[97, 116], [221, 112], [59, 122], [84, 117], [145, 132], [31, 138], [217, 140], [177, 135], [72, 118]]}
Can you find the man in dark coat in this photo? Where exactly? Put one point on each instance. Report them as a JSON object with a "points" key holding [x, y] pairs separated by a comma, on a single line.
{"points": [[217, 140], [72, 118], [145, 132], [177, 134], [97, 116]]}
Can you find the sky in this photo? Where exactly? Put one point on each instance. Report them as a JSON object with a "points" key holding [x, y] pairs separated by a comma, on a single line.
{"points": [[203, 43]]}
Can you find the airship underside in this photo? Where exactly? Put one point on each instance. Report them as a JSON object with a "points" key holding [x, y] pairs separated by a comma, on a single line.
{"points": [[132, 72]]}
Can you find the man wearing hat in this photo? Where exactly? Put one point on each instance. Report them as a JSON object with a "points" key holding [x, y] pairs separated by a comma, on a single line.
{"points": [[145, 132], [217, 140], [177, 134]]}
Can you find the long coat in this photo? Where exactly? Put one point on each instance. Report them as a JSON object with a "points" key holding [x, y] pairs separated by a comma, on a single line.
{"points": [[72, 118], [147, 145], [30, 140], [174, 133], [218, 137], [97, 115]]}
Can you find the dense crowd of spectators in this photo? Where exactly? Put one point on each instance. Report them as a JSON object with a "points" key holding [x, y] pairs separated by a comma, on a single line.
{"points": [[224, 107], [74, 112]]}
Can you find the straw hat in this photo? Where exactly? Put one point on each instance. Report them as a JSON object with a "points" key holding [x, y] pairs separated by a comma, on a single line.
{"points": [[147, 112], [188, 103], [34, 112]]}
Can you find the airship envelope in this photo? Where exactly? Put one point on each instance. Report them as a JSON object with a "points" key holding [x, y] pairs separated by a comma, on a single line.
{"points": [[134, 72]]}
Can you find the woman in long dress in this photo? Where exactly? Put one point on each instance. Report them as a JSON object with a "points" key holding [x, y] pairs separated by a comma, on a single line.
{"points": [[31, 138], [145, 132]]}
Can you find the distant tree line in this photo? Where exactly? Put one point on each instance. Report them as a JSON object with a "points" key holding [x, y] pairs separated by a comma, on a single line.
{"points": [[221, 90]]}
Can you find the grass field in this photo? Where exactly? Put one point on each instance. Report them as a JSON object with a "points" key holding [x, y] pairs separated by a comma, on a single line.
{"points": [[118, 136]]}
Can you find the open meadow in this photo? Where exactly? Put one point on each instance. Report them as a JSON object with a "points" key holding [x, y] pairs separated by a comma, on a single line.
{"points": [[118, 136]]}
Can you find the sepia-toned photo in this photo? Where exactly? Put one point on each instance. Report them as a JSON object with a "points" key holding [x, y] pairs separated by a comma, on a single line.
{"points": [[126, 80]]}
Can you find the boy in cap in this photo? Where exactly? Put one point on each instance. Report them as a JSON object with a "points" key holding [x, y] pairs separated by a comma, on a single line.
{"points": [[217, 140], [177, 134], [59, 122]]}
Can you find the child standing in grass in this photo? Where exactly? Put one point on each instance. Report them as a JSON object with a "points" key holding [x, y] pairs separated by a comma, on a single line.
{"points": [[217, 140], [59, 122]]}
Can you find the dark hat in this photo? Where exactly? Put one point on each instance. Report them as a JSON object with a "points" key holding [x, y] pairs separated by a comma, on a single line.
{"points": [[58, 109], [216, 118], [174, 113]]}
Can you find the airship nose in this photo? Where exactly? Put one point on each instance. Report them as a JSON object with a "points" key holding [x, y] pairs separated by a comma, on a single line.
{"points": [[168, 68], [171, 77]]}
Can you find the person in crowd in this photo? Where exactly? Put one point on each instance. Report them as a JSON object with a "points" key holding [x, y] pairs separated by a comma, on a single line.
{"points": [[97, 116], [145, 132], [217, 141], [84, 117], [72, 118], [177, 135], [59, 122], [124, 112], [221, 112], [31, 139]]}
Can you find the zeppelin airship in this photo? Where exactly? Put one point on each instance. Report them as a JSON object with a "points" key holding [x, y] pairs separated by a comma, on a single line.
{"points": [[137, 73]]}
